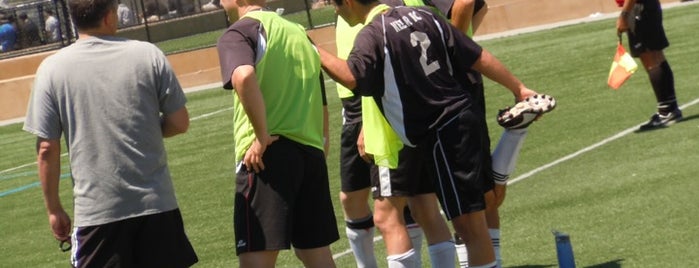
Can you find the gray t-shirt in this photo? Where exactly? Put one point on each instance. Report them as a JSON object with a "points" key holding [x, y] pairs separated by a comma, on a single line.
{"points": [[106, 95]]}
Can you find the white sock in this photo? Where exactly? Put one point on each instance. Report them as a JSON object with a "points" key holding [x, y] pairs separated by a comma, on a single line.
{"points": [[495, 238], [404, 260], [442, 254], [362, 243], [507, 151], [415, 233], [461, 252]]}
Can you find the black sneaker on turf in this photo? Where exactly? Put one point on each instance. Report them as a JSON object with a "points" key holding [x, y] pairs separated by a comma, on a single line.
{"points": [[526, 111], [661, 121]]}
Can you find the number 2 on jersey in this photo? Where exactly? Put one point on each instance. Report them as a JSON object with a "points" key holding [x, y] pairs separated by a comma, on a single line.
{"points": [[420, 38]]}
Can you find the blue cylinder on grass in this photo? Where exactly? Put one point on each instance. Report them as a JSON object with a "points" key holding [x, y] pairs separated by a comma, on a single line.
{"points": [[564, 250]]}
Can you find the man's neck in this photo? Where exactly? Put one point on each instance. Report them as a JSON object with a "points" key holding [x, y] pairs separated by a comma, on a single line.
{"points": [[244, 10], [85, 34], [366, 10]]}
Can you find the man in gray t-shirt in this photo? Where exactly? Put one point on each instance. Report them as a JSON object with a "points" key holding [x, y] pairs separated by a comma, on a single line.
{"points": [[113, 100]]}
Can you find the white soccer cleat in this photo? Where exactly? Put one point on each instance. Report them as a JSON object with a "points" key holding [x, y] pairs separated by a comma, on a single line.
{"points": [[525, 112]]}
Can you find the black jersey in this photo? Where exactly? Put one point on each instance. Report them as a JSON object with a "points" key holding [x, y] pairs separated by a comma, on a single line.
{"points": [[415, 64]]}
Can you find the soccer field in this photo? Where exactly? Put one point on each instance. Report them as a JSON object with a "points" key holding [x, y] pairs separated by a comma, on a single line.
{"points": [[626, 199]]}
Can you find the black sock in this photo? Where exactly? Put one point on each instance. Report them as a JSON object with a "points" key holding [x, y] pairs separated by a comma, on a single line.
{"points": [[663, 82]]}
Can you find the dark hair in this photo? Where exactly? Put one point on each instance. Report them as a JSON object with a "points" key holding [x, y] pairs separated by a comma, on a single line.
{"points": [[23, 16], [88, 13]]}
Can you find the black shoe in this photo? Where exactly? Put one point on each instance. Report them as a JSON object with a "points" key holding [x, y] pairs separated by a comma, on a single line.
{"points": [[661, 121]]}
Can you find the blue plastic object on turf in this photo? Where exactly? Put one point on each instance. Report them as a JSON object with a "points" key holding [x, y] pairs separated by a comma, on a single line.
{"points": [[564, 250]]}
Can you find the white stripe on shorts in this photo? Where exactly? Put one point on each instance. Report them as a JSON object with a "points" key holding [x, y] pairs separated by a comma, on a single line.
{"points": [[385, 181], [438, 151]]}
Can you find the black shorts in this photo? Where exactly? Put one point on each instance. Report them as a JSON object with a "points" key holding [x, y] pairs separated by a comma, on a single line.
{"points": [[646, 30], [288, 203], [458, 161], [477, 91], [410, 177], [354, 171], [156, 240]]}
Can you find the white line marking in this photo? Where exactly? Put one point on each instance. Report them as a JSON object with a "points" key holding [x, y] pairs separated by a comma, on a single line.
{"points": [[556, 162], [64, 154], [586, 149], [349, 251], [210, 114]]}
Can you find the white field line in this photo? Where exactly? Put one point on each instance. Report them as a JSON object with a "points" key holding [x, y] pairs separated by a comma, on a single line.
{"points": [[554, 163], [194, 89], [64, 154], [349, 251], [586, 149], [210, 114]]}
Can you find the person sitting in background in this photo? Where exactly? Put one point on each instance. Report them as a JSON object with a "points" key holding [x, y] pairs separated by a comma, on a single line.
{"points": [[212, 5], [53, 29], [126, 16], [28, 34], [8, 34]]}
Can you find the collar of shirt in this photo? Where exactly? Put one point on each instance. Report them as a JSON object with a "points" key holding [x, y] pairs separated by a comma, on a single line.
{"points": [[375, 11]]}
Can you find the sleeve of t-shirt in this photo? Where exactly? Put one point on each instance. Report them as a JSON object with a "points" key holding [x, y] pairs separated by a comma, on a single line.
{"points": [[366, 60], [43, 117], [236, 47], [171, 97]]}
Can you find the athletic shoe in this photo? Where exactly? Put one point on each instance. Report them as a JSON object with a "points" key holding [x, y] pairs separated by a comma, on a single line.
{"points": [[526, 111], [660, 121]]}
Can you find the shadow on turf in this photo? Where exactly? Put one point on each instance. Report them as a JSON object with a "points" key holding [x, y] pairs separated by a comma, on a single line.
{"points": [[533, 266], [610, 264]]}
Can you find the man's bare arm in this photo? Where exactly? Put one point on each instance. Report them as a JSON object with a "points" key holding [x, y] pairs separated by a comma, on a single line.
{"points": [[49, 164], [175, 123], [492, 68]]}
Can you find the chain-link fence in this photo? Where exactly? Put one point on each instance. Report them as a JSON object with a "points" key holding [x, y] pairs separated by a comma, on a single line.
{"points": [[34, 26], [28, 27]]}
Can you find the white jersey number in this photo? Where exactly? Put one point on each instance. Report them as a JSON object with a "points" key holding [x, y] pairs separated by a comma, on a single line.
{"points": [[420, 38]]}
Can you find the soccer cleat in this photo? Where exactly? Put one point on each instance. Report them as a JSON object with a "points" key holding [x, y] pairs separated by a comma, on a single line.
{"points": [[660, 121], [526, 111]]}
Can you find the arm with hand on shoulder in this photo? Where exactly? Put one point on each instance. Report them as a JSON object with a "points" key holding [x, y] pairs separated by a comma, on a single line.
{"points": [[495, 70], [337, 69]]}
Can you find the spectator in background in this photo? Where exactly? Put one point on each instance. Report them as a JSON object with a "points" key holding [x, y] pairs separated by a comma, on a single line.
{"points": [[8, 33], [53, 29], [126, 16], [28, 33], [212, 5]]}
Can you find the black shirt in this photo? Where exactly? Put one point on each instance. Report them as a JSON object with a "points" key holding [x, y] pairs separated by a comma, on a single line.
{"points": [[415, 64]]}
